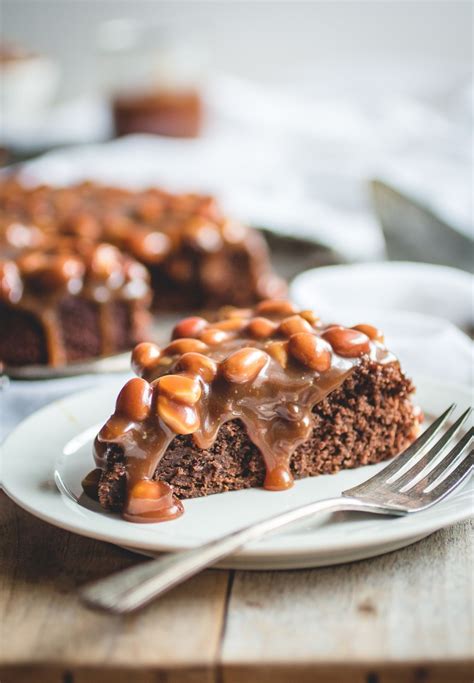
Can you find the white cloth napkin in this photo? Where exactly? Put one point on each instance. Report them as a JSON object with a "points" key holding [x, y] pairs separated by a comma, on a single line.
{"points": [[18, 399], [251, 174]]}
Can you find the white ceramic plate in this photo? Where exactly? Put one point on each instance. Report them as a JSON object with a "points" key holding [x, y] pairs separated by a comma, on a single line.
{"points": [[365, 291], [55, 443]]}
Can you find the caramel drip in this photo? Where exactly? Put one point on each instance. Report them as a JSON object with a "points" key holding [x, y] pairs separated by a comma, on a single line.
{"points": [[106, 326], [54, 339]]}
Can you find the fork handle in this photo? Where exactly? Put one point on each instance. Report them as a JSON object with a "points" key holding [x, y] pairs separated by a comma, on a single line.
{"points": [[132, 588]]}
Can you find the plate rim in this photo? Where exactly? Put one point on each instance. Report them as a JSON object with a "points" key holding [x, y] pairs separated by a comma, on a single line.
{"points": [[254, 552]]}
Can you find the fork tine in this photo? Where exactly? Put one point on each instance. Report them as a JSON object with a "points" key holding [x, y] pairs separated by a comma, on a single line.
{"points": [[443, 466], [398, 463], [414, 449], [439, 446], [453, 480]]}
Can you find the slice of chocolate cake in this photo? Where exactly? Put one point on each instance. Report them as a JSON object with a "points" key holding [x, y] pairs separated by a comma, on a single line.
{"points": [[70, 300], [258, 398], [196, 258]]}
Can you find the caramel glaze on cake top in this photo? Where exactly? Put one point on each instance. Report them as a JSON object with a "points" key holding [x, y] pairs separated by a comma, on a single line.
{"points": [[149, 224], [267, 367], [160, 229]]}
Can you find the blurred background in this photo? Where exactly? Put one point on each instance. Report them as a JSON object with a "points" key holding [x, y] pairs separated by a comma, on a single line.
{"points": [[421, 47], [342, 124]]}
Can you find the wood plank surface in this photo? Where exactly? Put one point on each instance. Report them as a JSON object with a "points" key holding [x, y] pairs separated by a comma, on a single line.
{"points": [[401, 618], [42, 622], [412, 607]]}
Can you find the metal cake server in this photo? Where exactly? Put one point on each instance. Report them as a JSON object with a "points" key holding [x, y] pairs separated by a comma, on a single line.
{"points": [[414, 233]]}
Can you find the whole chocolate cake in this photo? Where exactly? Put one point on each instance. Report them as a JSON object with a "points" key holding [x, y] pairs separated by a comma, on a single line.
{"points": [[258, 398], [60, 301]]}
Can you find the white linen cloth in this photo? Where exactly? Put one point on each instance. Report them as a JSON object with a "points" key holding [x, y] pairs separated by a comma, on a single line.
{"points": [[20, 398], [295, 162]]}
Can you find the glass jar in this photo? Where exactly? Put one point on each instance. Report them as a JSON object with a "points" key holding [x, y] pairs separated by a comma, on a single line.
{"points": [[154, 78]]}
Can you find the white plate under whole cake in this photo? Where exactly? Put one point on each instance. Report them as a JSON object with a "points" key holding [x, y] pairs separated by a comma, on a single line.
{"points": [[54, 447]]}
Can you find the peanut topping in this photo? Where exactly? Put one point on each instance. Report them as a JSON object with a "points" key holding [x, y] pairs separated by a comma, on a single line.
{"points": [[134, 400], [372, 332], [149, 246], [275, 307], [83, 224], [145, 356], [179, 417], [293, 325], [244, 365], [105, 261], [232, 312], [184, 345], [230, 325], [346, 342], [180, 388], [311, 317], [198, 364], [51, 272], [311, 351], [189, 327], [279, 351], [213, 336], [261, 328]]}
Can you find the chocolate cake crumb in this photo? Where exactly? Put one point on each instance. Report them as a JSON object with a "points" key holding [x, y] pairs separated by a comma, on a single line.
{"points": [[22, 341], [80, 328]]}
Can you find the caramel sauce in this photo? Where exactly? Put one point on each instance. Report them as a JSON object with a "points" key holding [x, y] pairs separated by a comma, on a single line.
{"points": [[272, 395], [54, 342], [106, 325], [152, 502]]}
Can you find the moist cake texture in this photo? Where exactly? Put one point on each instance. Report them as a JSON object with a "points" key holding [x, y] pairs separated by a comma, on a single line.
{"points": [[258, 398], [193, 256]]}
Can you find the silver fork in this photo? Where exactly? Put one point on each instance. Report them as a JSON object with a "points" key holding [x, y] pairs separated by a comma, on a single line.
{"points": [[407, 485]]}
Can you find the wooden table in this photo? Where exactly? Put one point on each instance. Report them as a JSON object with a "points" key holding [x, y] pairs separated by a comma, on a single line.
{"points": [[402, 617]]}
